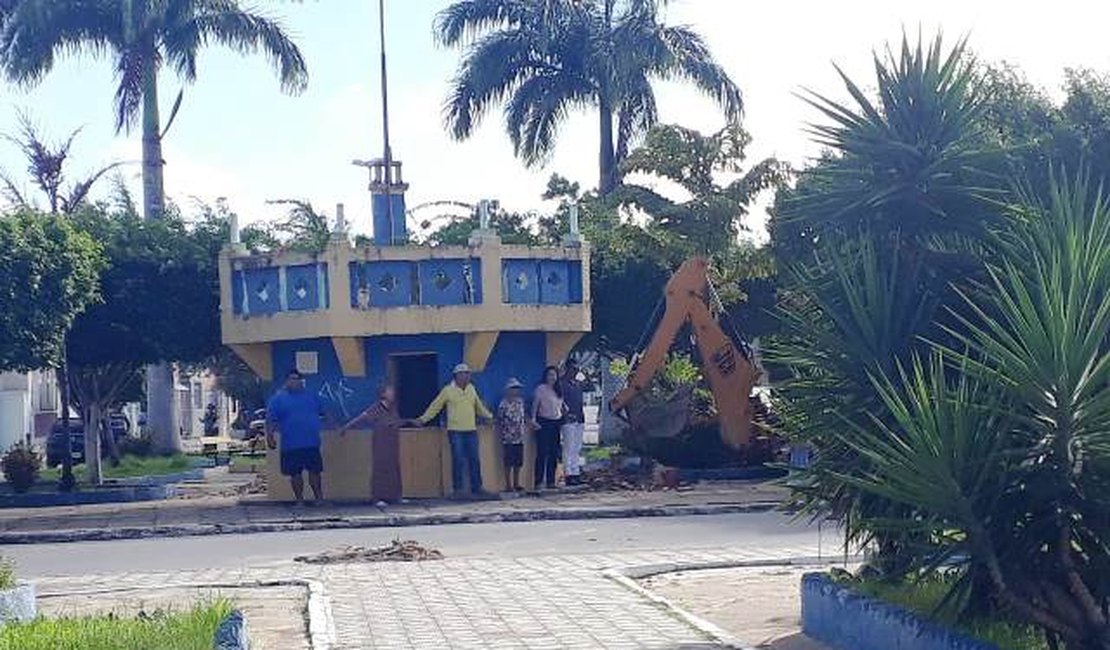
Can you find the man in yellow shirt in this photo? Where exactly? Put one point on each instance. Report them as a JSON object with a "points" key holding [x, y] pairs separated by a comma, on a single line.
{"points": [[464, 407]]}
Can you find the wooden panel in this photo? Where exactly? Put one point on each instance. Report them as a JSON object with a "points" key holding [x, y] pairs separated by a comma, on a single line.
{"points": [[422, 462], [425, 465]]}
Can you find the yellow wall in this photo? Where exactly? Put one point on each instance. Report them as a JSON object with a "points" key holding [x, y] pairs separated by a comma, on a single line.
{"points": [[425, 465]]}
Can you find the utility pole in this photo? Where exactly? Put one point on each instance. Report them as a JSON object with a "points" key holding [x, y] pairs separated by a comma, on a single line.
{"points": [[388, 154]]}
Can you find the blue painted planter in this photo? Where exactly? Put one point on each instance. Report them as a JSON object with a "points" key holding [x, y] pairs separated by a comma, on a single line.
{"points": [[121, 494], [846, 620], [232, 633], [160, 479], [17, 605]]}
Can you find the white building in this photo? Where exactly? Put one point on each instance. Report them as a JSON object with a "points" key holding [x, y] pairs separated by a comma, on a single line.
{"points": [[29, 406]]}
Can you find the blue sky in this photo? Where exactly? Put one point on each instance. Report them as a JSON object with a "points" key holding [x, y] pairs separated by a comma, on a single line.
{"points": [[238, 137]]}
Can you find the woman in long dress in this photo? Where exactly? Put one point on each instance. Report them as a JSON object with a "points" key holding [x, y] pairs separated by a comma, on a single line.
{"points": [[385, 445]]}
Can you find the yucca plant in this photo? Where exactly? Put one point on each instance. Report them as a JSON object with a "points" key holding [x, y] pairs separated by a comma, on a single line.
{"points": [[1002, 454], [854, 313], [911, 160]]}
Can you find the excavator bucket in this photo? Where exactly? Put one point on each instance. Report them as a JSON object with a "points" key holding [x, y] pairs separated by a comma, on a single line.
{"points": [[660, 418]]}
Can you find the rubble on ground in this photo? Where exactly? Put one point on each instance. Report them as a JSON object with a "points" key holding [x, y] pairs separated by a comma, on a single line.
{"points": [[396, 551]]}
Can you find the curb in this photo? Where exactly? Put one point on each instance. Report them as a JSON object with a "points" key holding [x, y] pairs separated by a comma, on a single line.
{"points": [[628, 578], [321, 625], [374, 521], [115, 494], [715, 633]]}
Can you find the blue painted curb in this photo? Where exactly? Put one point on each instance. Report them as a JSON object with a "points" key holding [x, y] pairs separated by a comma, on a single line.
{"points": [[845, 620], [731, 474], [158, 479], [232, 633], [17, 605], [122, 494]]}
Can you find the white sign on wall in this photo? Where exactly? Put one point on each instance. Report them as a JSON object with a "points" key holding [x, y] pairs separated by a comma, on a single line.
{"points": [[308, 363]]}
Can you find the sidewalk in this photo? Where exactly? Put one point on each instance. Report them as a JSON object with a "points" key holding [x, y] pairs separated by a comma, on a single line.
{"points": [[538, 602], [215, 514]]}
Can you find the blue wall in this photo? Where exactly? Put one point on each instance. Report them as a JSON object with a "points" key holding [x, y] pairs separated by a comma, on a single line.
{"points": [[541, 282], [379, 205], [435, 282], [258, 292], [516, 354], [343, 397]]}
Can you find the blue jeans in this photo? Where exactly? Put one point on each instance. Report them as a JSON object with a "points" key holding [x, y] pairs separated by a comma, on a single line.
{"points": [[464, 453]]}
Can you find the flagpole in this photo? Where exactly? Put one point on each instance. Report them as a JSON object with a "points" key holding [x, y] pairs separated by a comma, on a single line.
{"points": [[388, 157]]}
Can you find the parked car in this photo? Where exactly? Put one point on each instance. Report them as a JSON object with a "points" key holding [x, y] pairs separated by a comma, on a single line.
{"points": [[118, 424]]}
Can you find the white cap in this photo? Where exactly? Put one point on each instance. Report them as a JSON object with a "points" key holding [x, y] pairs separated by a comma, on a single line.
{"points": [[461, 368]]}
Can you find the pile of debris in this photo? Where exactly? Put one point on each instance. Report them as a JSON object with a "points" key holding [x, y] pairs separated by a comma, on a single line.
{"points": [[614, 479], [396, 551]]}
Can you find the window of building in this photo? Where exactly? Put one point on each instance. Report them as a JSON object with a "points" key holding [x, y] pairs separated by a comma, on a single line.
{"points": [[416, 377], [47, 389]]}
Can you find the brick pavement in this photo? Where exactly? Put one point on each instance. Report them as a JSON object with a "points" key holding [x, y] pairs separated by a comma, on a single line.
{"points": [[532, 602], [222, 514]]}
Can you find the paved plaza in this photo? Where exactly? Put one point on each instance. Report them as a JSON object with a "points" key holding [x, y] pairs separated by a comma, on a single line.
{"points": [[528, 601]]}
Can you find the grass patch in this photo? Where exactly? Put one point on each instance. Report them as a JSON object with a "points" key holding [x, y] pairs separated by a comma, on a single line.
{"points": [[130, 467], [7, 574], [193, 629], [925, 596], [601, 453]]}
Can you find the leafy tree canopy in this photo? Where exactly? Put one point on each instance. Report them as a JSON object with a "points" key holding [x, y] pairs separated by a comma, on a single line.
{"points": [[49, 274]]}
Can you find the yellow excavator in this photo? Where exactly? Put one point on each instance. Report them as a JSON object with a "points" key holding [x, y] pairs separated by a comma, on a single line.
{"points": [[727, 364]]}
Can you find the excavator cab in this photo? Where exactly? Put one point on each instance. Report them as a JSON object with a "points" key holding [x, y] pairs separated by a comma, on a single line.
{"points": [[689, 302]]}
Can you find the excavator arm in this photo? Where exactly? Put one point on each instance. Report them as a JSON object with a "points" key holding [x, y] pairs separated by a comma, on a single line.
{"points": [[728, 370]]}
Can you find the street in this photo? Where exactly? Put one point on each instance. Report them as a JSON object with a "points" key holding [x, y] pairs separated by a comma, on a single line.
{"points": [[772, 532]]}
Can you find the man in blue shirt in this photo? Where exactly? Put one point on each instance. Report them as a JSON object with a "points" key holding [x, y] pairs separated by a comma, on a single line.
{"points": [[295, 414]]}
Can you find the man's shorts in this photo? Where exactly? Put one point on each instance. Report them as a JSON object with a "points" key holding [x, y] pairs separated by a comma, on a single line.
{"points": [[512, 454], [307, 459]]}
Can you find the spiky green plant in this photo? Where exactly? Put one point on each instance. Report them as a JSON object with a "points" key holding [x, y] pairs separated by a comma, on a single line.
{"points": [[1000, 457]]}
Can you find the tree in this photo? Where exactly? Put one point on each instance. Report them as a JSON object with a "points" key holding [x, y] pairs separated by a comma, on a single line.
{"points": [[303, 229], [46, 169], [870, 245], [543, 59], [154, 268], [48, 276], [141, 36]]}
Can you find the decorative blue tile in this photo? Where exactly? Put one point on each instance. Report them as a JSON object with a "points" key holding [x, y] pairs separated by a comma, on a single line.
{"points": [[520, 281], [382, 284], [260, 290], [449, 282], [554, 282], [303, 286]]}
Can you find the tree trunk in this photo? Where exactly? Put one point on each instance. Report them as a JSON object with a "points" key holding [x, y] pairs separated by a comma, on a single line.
{"points": [[607, 162], [66, 483], [160, 418], [154, 199], [94, 471], [161, 421]]}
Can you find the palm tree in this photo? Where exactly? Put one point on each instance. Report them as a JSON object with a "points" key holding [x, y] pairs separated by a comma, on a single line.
{"points": [[141, 36], [541, 58]]}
